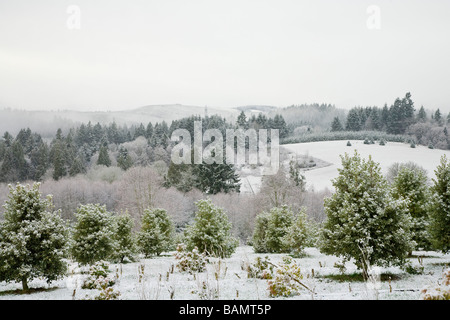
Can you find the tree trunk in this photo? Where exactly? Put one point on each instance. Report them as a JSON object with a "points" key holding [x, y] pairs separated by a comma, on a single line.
{"points": [[24, 284]]}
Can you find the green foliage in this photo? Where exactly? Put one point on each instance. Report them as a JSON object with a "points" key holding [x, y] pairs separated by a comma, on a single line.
{"points": [[156, 233], [124, 160], [299, 234], [440, 207], [33, 240], [286, 280], [280, 231], [271, 229], [210, 231], [92, 234], [336, 125], [261, 268], [99, 279], [98, 271], [103, 157], [410, 184], [125, 246], [214, 178], [363, 219]]}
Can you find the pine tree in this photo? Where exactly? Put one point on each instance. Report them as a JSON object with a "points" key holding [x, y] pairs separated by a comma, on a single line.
{"points": [[271, 229], [124, 160], [58, 156], [123, 236], [440, 207], [438, 117], [411, 184], [336, 125], [241, 121], [363, 221], [157, 230], [214, 178], [77, 167], [33, 240], [353, 121], [93, 234], [422, 115], [210, 232], [103, 157]]}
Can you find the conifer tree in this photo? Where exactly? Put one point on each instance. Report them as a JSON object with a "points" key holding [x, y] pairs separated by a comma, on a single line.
{"points": [[210, 232], [422, 115], [336, 125], [124, 160], [440, 207], [33, 239], [93, 234], [364, 221], [125, 246], [103, 157], [216, 177], [156, 233], [411, 184], [271, 229]]}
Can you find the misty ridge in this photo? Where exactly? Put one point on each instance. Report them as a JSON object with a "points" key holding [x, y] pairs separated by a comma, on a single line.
{"points": [[47, 122]]}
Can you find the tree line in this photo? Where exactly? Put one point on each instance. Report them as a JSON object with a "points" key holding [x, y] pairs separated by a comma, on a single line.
{"points": [[400, 118], [28, 156]]}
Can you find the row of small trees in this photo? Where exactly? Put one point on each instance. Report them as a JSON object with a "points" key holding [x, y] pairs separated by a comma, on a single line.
{"points": [[36, 242]]}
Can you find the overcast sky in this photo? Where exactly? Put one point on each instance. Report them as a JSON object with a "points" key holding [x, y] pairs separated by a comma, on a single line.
{"points": [[128, 54]]}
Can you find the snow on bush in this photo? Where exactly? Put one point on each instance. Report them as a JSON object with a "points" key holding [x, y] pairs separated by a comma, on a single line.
{"points": [[286, 280], [261, 268], [190, 261]]}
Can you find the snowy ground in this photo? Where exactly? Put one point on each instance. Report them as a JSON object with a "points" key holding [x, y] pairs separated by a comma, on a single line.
{"points": [[232, 281], [327, 156]]}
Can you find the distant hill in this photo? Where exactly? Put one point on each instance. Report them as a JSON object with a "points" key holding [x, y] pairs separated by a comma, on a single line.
{"points": [[47, 122]]}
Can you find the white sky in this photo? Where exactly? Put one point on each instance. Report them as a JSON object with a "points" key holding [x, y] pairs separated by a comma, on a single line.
{"points": [[226, 53]]}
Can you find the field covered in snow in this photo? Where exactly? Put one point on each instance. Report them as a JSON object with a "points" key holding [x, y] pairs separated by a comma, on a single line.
{"points": [[327, 155], [226, 279], [387, 155]]}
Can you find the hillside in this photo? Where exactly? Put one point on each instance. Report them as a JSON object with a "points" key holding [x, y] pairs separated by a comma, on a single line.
{"points": [[47, 122]]}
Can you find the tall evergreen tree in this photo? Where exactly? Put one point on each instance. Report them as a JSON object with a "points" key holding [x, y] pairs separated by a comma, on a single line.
{"points": [[336, 125], [92, 237], [33, 240], [157, 230], [103, 157], [438, 117], [353, 120], [440, 207], [411, 184], [210, 232], [364, 222], [215, 178], [421, 115], [124, 160]]}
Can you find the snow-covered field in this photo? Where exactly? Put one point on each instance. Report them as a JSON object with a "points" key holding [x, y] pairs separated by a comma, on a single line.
{"points": [[387, 155], [231, 282], [329, 152]]}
